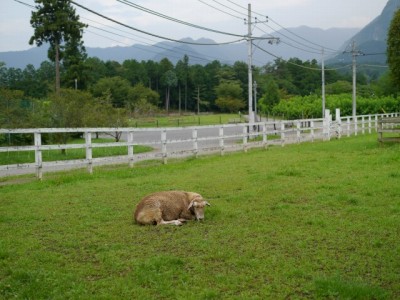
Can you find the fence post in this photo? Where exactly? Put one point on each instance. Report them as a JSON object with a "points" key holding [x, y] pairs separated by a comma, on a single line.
{"points": [[89, 153], [245, 137], [282, 134], [298, 131], [355, 119], [221, 140], [326, 125], [339, 123], [376, 122], [369, 124], [265, 136], [38, 155], [164, 145], [195, 144], [363, 124], [312, 130], [130, 149]]}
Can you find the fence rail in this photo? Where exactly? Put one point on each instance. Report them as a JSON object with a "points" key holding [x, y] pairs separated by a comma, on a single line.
{"points": [[183, 141]]}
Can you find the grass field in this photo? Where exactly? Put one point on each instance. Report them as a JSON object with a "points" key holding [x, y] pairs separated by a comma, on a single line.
{"points": [[20, 157], [310, 221], [186, 120]]}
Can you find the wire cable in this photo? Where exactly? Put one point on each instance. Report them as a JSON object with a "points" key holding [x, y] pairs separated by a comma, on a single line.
{"points": [[140, 37], [136, 46], [226, 6], [290, 45], [152, 34], [300, 37], [300, 66], [205, 3], [147, 10], [26, 4]]}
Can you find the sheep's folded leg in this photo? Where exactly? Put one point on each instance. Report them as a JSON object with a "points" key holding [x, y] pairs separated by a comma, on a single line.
{"points": [[173, 222]]}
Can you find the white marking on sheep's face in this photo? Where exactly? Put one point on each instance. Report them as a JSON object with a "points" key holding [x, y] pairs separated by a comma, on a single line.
{"points": [[197, 206]]}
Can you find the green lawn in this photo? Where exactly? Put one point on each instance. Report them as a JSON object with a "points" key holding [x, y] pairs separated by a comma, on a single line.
{"points": [[311, 221], [20, 157], [186, 120]]}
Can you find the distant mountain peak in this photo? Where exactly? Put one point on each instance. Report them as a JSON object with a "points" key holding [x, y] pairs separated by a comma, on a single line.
{"points": [[372, 38]]}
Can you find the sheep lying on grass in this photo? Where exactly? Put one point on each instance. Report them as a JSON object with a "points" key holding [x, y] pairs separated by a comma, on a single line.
{"points": [[170, 207]]}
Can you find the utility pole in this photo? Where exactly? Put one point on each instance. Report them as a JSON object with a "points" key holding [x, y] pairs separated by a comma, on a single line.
{"points": [[250, 59], [323, 82], [255, 101], [250, 65], [354, 54]]}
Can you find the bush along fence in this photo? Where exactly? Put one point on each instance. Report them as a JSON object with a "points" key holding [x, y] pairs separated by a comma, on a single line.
{"points": [[184, 141]]}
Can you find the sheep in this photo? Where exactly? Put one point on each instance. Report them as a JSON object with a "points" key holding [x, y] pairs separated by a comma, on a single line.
{"points": [[170, 207]]}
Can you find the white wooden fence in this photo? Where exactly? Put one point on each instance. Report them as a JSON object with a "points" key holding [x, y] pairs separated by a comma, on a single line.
{"points": [[183, 141]]}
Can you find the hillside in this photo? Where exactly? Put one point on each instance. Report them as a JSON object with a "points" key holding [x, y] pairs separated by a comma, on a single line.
{"points": [[197, 54], [371, 40]]}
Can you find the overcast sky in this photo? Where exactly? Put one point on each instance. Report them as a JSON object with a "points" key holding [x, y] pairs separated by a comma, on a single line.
{"points": [[222, 15]]}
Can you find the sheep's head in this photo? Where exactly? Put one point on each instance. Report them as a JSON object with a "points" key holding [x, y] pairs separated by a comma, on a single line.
{"points": [[197, 205]]}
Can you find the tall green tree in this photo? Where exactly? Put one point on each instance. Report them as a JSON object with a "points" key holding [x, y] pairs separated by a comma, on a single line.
{"points": [[55, 22], [74, 66], [182, 70], [198, 77], [393, 49], [271, 96], [169, 80], [230, 96], [117, 87]]}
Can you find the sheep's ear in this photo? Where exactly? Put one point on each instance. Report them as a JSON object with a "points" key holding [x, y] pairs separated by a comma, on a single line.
{"points": [[191, 204], [208, 204]]}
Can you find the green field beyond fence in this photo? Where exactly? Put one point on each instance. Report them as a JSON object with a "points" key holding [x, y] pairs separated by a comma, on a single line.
{"points": [[187, 120], [309, 221]]}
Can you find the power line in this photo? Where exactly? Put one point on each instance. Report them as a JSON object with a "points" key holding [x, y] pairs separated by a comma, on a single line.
{"points": [[152, 34], [304, 39], [237, 17], [239, 12], [129, 33], [300, 66], [135, 46], [293, 46], [373, 66], [204, 58], [147, 10], [287, 30], [26, 4]]}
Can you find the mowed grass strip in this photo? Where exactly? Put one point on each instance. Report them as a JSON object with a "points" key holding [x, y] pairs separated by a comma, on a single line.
{"points": [[20, 157], [316, 220]]}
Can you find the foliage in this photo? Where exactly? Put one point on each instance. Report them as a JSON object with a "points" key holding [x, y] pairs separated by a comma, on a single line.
{"points": [[141, 94], [34, 83], [309, 221], [15, 109], [229, 96], [116, 87], [169, 80], [271, 96], [339, 87], [186, 87], [393, 48], [311, 106], [56, 23]]}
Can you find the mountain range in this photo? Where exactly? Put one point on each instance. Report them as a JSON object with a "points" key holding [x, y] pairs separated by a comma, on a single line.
{"points": [[301, 42], [371, 41]]}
